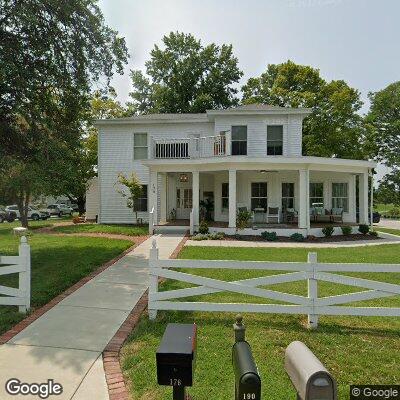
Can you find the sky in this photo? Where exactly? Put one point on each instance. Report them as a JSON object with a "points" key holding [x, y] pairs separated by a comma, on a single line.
{"points": [[354, 40]]}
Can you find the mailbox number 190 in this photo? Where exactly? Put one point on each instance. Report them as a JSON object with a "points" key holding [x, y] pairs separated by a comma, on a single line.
{"points": [[249, 396], [176, 382]]}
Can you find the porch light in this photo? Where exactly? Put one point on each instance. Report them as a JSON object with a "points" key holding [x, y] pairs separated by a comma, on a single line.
{"points": [[183, 178]]}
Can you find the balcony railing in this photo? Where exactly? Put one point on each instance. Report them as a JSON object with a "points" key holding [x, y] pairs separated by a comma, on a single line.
{"points": [[193, 147]]}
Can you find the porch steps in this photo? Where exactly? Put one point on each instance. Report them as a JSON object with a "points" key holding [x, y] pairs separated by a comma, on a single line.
{"points": [[170, 229]]}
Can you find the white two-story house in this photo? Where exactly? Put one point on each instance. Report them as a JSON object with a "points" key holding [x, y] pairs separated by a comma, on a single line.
{"points": [[243, 158]]}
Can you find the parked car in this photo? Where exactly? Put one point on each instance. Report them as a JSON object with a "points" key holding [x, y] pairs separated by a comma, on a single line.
{"points": [[376, 217], [59, 209], [8, 216], [33, 213]]}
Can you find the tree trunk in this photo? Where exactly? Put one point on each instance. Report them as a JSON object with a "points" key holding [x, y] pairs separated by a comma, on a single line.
{"points": [[23, 204], [81, 202]]}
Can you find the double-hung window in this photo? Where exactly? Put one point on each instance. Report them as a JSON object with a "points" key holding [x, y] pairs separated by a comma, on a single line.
{"points": [[140, 146], [316, 194], [141, 202], [225, 196], [287, 195], [239, 140], [340, 196], [259, 197], [274, 140]]}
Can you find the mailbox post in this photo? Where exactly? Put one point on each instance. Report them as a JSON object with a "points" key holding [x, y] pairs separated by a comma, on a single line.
{"points": [[247, 378], [176, 357], [310, 378]]}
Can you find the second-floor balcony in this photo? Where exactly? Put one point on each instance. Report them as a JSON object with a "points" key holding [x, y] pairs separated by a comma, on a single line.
{"points": [[192, 147]]}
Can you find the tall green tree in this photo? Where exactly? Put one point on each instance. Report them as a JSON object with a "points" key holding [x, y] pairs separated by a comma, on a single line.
{"points": [[82, 159], [51, 53], [388, 191], [334, 128], [185, 76], [383, 125]]}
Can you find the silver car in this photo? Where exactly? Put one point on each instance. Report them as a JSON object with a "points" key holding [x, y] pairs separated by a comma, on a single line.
{"points": [[59, 209]]}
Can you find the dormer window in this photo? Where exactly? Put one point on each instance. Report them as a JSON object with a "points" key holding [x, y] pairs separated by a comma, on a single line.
{"points": [[275, 140], [239, 140]]}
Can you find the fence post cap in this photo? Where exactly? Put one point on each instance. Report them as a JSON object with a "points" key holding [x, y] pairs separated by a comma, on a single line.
{"points": [[154, 244], [24, 239]]}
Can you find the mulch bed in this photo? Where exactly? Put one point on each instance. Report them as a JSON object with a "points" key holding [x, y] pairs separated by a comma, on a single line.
{"points": [[309, 239]]}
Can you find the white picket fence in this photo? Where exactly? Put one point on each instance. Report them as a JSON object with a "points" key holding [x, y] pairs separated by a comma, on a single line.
{"points": [[312, 271], [20, 264]]}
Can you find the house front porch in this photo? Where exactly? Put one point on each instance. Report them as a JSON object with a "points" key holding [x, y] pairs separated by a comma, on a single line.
{"points": [[283, 196]]}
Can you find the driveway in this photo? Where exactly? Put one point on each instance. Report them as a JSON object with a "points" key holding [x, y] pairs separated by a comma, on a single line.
{"points": [[389, 223]]}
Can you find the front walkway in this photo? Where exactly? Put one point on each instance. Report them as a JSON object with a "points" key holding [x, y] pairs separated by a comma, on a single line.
{"points": [[386, 239], [66, 343]]}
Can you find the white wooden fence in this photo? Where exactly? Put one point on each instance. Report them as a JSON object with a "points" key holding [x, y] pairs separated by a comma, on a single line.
{"points": [[20, 264], [312, 271]]}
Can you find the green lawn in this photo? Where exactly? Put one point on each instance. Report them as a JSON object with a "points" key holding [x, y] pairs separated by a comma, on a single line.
{"points": [[389, 230], [354, 349], [57, 263], [383, 208], [130, 230]]}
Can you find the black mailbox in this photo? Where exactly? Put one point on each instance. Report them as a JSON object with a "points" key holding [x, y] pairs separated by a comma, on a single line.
{"points": [[247, 379], [176, 356]]}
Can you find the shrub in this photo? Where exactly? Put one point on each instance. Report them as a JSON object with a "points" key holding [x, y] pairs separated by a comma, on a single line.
{"points": [[363, 228], [200, 236], [297, 237], [373, 233], [269, 236], [394, 212], [242, 219], [346, 230], [203, 228], [216, 236], [328, 231]]}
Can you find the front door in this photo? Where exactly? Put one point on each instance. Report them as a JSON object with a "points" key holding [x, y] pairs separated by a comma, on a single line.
{"points": [[184, 201]]}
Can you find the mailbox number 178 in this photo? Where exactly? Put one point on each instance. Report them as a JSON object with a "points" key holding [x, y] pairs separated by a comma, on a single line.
{"points": [[175, 382], [249, 396]]}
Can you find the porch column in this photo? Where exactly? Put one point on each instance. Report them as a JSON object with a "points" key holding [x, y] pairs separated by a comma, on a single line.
{"points": [[152, 192], [304, 208], [163, 197], [232, 198], [196, 199], [363, 198]]}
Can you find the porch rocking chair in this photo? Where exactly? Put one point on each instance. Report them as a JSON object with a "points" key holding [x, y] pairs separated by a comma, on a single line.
{"points": [[273, 212]]}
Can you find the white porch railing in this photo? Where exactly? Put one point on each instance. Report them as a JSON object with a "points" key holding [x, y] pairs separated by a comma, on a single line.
{"points": [[312, 271], [20, 265], [207, 146]]}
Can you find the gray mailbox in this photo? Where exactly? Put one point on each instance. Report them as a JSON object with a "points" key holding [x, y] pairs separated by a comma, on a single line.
{"points": [[176, 358], [310, 378], [247, 379]]}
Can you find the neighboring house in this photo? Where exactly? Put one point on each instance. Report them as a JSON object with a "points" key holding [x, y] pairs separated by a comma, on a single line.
{"points": [[248, 157], [92, 200]]}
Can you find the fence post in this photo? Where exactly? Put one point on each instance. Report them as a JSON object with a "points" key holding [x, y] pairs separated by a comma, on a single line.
{"points": [[312, 291], [25, 276], [153, 286]]}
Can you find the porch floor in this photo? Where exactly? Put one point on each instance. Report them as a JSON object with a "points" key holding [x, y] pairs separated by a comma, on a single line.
{"points": [[220, 224]]}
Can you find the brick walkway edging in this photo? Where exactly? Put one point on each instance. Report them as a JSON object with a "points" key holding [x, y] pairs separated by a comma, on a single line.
{"points": [[8, 335], [117, 387]]}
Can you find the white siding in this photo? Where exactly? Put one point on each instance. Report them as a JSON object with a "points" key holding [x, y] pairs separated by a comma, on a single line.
{"points": [[116, 156], [257, 132], [92, 199]]}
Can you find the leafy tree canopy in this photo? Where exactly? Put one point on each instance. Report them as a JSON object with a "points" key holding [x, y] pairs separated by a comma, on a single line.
{"points": [[185, 77], [388, 191], [383, 125], [334, 128], [51, 53]]}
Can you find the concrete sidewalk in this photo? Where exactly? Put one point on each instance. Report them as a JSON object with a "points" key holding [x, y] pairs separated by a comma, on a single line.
{"points": [[65, 344]]}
